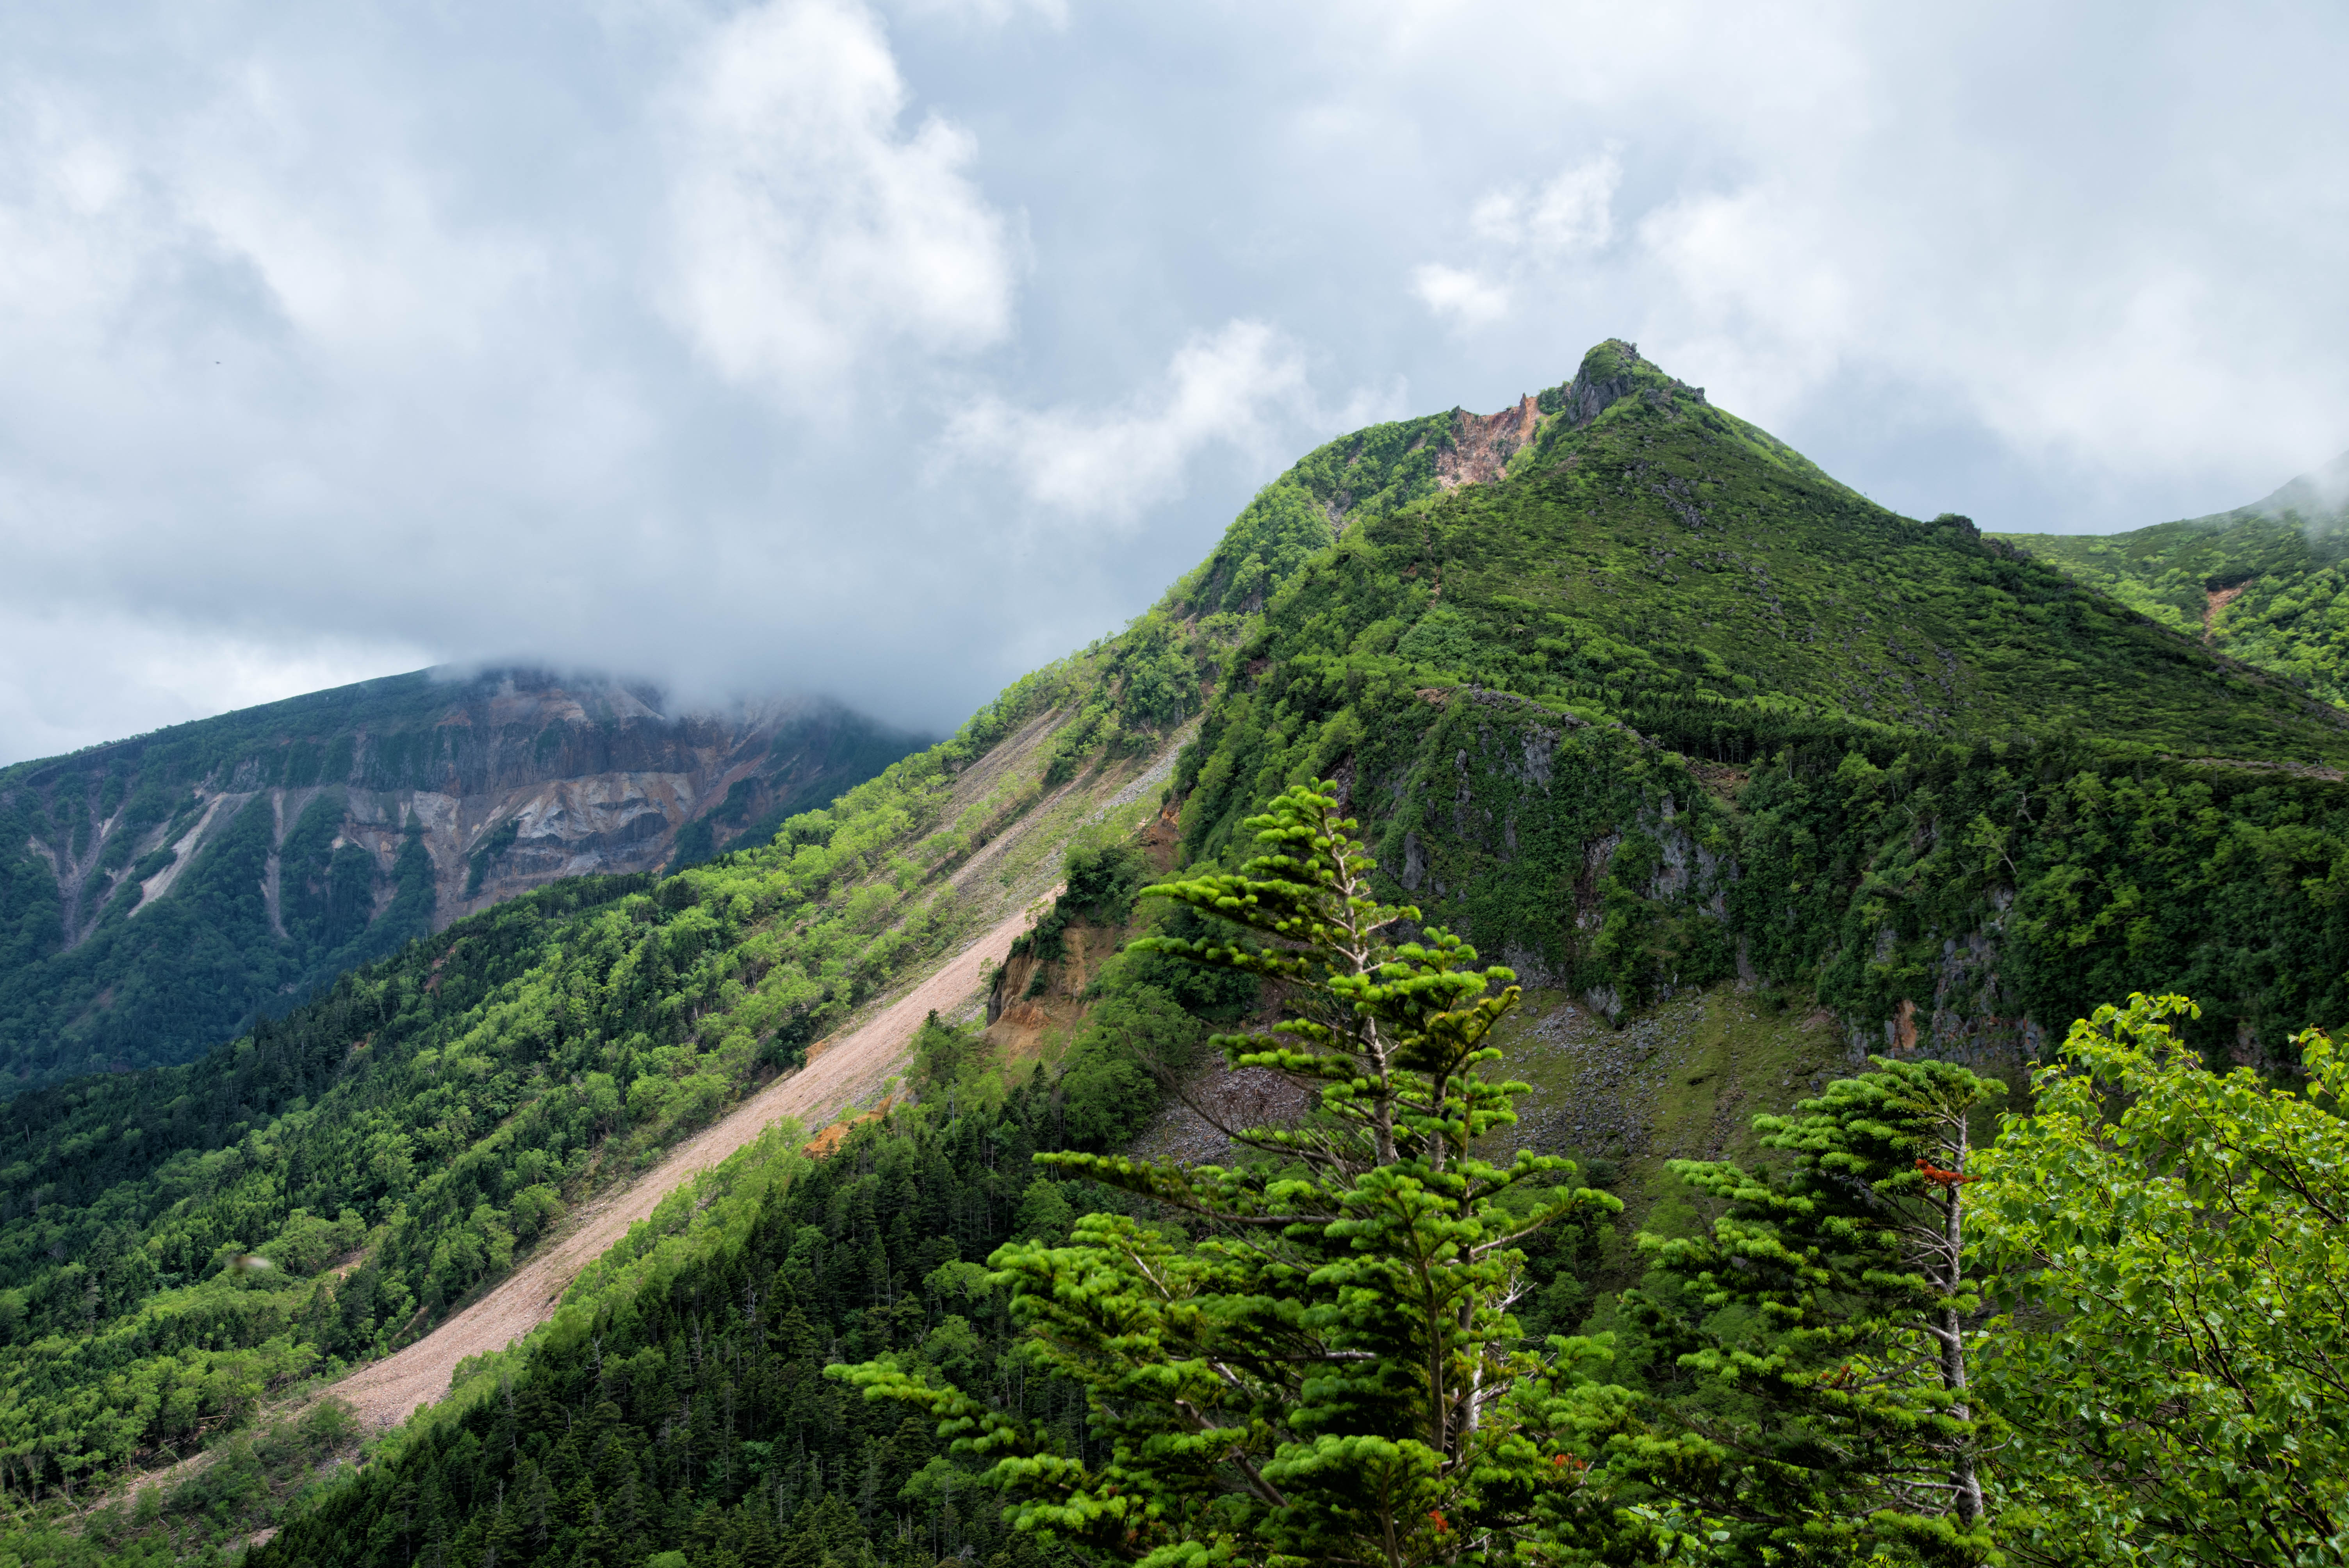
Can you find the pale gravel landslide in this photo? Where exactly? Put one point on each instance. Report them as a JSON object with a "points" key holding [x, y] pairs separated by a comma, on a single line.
{"points": [[840, 1074], [387, 1392]]}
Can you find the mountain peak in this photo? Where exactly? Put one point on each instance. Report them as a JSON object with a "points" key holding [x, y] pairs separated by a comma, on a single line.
{"points": [[1479, 445], [2317, 496], [1610, 372]]}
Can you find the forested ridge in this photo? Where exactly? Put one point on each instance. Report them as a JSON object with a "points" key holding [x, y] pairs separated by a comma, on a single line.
{"points": [[2263, 583], [1636, 717], [438, 1111], [1619, 707]]}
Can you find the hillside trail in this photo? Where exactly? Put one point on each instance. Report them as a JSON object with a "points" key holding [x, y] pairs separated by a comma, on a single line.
{"points": [[382, 1394], [385, 1393]]}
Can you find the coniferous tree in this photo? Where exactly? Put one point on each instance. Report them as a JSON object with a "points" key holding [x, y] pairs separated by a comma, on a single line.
{"points": [[1331, 1374], [1824, 1323]]}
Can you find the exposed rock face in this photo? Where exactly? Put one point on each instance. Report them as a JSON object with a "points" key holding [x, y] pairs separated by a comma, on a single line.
{"points": [[1607, 377], [1974, 1019], [507, 780], [1483, 444]]}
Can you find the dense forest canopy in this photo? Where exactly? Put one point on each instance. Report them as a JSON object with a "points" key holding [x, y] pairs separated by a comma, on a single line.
{"points": [[1145, 1373]]}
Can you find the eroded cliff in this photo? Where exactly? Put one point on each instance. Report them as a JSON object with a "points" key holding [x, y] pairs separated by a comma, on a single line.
{"points": [[156, 892]]}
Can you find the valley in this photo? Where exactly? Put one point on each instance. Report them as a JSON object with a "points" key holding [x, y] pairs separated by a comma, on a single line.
{"points": [[1747, 779]]}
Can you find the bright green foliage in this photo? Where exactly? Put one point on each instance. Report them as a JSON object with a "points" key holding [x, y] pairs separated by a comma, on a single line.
{"points": [[1664, 692], [1101, 875], [1133, 1036], [457, 1098], [448, 1104], [2177, 1374], [1331, 1375], [1661, 704], [1367, 474], [1144, 682], [1823, 1327], [1994, 881], [942, 1053], [2265, 583], [1666, 563]]}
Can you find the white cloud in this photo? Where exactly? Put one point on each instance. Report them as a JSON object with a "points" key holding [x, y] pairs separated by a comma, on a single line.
{"points": [[1900, 241], [1465, 298], [1242, 388], [987, 12], [1522, 233], [1570, 215], [84, 674], [809, 227], [448, 332], [1796, 283]]}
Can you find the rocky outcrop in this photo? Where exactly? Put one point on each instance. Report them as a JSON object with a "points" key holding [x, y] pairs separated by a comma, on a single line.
{"points": [[1477, 447], [1972, 1018], [1609, 374]]}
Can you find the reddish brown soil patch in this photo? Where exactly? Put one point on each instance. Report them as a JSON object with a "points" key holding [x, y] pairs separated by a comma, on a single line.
{"points": [[826, 1144], [2218, 600], [1482, 444]]}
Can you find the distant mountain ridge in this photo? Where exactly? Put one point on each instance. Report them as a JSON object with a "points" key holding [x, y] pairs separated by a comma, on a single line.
{"points": [[156, 892], [2267, 583]]}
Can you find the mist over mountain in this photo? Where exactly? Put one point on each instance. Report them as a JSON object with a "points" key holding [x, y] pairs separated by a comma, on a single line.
{"points": [[2263, 583], [890, 349]]}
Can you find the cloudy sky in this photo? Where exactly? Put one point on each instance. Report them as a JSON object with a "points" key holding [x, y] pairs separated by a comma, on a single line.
{"points": [[892, 349]]}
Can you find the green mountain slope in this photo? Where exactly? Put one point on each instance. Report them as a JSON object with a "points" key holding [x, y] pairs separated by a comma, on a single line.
{"points": [[2265, 583], [1663, 561], [1701, 741], [1663, 705], [441, 1108], [444, 1104], [156, 894]]}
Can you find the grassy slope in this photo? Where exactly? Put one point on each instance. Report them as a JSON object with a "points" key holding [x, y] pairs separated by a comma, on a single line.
{"points": [[1670, 557], [2265, 583]]}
